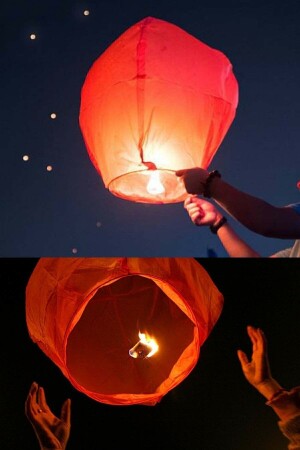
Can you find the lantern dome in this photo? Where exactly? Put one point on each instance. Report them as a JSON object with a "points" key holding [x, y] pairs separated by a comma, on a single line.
{"points": [[157, 100], [90, 315]]}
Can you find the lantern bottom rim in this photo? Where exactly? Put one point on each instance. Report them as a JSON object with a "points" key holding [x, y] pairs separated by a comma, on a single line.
{"points": [[149, 186]]}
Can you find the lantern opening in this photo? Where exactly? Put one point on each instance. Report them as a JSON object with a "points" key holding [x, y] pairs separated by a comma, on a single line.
{"points": [[149, 186], [86, 315], [97, 351]]}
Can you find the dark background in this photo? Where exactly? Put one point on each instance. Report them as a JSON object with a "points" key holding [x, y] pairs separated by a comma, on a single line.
{"points": [[52, 213], [213, 408]]}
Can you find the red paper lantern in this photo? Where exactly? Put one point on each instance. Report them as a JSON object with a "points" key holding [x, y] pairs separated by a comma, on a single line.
{"points": [[88, 316], [156, 101]]}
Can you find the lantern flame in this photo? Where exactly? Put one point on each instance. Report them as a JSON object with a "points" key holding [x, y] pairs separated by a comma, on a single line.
{"points": [[145, 348], [154, 185]]}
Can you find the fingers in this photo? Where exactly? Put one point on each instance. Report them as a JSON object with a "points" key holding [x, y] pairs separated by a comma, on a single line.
{"points": [[33, 388], [42, 399], [30, 402], [258, 338], [28, 411], [243, 358], [261, 342], [66, 412], [253, 335], [190, 199], [196, 215], [180, 173], [36, 401], [193, 208]]}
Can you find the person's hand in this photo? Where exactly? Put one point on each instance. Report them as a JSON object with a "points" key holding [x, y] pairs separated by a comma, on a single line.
{"points": [[201, 212], [194, 179], [52, 432], [257, 370]]}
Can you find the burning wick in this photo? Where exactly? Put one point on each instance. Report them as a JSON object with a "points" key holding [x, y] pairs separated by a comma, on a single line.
{"points": [[145, 348], [154, 185]]}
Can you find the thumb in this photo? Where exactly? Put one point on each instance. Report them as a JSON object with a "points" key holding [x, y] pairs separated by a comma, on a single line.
{"points": [[242, 358], [189, 199], [65, 414]]}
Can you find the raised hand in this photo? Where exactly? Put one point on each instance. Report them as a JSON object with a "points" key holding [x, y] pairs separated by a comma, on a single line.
{"points": [[257, 369], [52, 432]]}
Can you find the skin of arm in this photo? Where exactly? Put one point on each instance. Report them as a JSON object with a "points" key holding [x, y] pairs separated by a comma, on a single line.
{"points": [[257, 372], [204, 213], [52, 432], [254, 213]]}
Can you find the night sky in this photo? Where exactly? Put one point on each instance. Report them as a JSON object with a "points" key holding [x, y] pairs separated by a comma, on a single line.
{"points": [[67, 211], [213, 408], [54, 203]]}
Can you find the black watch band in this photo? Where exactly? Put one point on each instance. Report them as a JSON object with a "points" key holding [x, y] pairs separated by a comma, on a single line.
{"points": [[211, 176], [214, 228]]}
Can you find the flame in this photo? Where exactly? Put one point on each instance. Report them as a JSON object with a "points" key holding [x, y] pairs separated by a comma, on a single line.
{"points": [[150, 342], [145, 348], [154, 185]]}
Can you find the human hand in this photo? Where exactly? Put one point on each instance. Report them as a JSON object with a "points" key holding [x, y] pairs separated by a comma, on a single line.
{"points": [[194, 179], [257, 370], [201, 212], [52, 432]]}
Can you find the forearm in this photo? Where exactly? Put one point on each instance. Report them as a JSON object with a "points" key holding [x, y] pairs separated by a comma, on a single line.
{"points": [[286, 404], [234, 245], [269, 388], [47, 444], [256, 214]]}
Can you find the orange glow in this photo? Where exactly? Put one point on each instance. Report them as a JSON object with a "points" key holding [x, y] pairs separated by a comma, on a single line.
{"points": [[86, 314], [154, 185], [145, 348], [157, 96]]}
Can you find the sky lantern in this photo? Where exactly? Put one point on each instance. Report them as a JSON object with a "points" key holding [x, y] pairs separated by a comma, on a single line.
{"points": [[155, 101], [123, 331]]}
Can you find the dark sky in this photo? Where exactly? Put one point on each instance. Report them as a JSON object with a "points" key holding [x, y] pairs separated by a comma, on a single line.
{"points": [[68, 209], [213, 408]]}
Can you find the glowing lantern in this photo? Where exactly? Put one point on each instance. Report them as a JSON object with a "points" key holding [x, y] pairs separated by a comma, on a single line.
{"points": [[122, 330], [156, 101]]}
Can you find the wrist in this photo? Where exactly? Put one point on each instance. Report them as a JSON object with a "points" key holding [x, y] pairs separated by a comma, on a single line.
{"points": [[269, 388], [212, 178], [221, 220]]}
